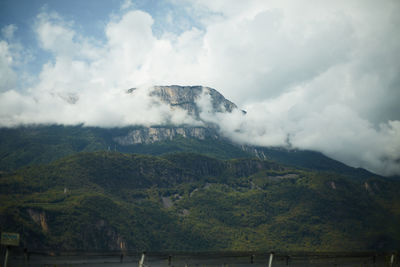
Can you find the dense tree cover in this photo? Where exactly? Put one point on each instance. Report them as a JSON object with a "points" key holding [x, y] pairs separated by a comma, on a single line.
{"points": [[22, 146], [187, 201], [28, 145]]}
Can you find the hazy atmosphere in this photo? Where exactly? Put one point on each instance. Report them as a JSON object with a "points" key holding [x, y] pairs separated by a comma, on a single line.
{"points": [[319, 75]]}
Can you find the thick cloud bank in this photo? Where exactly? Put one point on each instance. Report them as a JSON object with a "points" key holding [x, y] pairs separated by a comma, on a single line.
{"points": [[320, 75]]}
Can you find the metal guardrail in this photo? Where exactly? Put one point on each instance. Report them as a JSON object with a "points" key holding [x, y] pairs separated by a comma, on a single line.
{"points": [[225, 259]]}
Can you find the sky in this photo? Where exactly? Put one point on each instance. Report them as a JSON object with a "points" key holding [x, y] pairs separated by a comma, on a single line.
{"points": [[311, 74]]}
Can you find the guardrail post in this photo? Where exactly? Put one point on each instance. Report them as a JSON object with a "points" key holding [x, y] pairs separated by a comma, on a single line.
{"points": [[6, 258], [391, 260], [271, 257], [141, 262]]}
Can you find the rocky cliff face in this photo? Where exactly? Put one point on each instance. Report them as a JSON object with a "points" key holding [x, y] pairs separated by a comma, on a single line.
{"points": [[187, 98], [39, 217], [156, 134]]}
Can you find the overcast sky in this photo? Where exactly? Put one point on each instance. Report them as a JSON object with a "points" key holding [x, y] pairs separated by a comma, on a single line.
{"points": [[322, 75]]}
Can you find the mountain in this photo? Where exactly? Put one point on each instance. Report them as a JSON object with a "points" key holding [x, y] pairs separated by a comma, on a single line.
{"points": [[186, 97], [116, 201], [305, 159], [27, 145], [185, 187]]}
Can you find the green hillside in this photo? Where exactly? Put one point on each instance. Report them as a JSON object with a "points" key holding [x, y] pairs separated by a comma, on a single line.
{"points": [[186, 201], [309, 160], [28, 145], [23, 146]]}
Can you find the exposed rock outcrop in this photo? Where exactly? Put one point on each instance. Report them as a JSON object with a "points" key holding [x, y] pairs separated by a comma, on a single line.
{"points": [[39, 218], [156, 134], [186, 97]]}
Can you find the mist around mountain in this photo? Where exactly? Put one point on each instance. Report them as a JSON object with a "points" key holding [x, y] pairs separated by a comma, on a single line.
{"points": [[186, 187], [200, 107]]}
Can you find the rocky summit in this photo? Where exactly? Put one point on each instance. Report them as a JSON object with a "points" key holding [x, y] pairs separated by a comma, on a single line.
{"points": [[187, 97]]}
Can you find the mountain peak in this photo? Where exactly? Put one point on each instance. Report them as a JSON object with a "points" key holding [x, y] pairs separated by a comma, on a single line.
{"points": [[188, 97]]}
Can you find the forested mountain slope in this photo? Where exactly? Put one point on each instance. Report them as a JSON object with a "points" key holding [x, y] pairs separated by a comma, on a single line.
{"points": [[111, 200]]}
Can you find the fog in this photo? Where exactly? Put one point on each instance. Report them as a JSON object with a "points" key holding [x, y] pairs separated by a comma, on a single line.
{"points": [[312, 75]]}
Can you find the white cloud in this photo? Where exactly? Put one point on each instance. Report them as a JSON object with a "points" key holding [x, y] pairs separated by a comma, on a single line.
{"points": [[93, 108], [8, 77], [127, 4], [8, 31], [58, 37], [323, 74]]}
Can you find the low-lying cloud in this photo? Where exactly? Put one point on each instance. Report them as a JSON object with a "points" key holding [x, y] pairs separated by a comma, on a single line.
{"points": [[314, 76], [90, 108], [335, 130]]}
